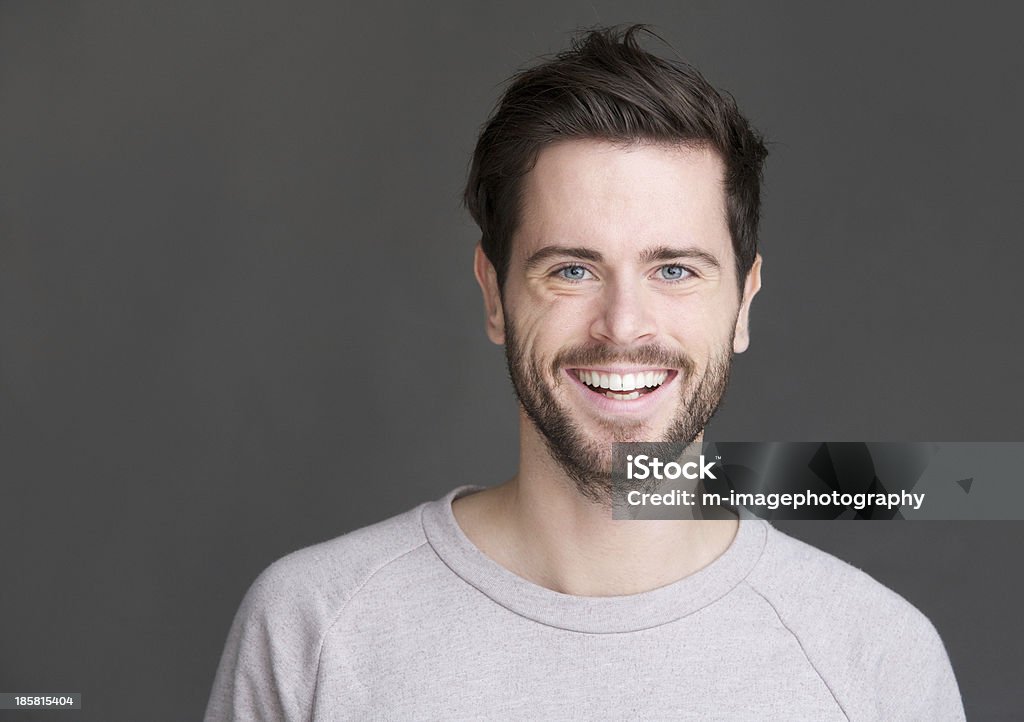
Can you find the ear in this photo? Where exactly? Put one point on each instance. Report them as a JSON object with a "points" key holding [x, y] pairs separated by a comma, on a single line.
{"points": [[741, 335], [487, 277]]}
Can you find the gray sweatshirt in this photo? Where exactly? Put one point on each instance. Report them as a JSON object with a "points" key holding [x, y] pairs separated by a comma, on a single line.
{"points": [[407, 619]]}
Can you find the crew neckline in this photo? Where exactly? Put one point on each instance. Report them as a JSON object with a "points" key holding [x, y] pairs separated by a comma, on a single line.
{"points": [[595, 615]]}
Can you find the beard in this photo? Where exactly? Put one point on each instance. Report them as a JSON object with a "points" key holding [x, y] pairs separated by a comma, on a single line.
{"points": [[586, 461]]}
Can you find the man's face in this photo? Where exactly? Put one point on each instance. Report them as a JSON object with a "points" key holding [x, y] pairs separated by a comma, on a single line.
{"points": [[621, 308]]}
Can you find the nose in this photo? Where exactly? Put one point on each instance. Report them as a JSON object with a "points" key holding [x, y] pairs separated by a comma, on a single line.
{"points": [[624, 316]]}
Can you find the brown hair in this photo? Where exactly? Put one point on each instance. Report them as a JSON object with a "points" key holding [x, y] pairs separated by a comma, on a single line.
{"points": [[607, 87]]}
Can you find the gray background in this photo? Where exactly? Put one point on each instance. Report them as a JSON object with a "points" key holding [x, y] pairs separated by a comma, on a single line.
{"points": [[238, 315]]}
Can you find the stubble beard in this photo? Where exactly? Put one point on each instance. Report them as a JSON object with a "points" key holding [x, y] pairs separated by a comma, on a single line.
{"points": [[584, 460]]}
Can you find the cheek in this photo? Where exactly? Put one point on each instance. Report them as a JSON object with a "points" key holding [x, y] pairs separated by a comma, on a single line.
{"points": [[702, 328], [525, 332], [547, 327]]}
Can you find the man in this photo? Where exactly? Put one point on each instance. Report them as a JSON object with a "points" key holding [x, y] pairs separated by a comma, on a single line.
{"points": [[618, 198]]}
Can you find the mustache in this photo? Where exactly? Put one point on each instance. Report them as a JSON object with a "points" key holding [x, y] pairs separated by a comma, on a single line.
{"points": [[650, 355]]}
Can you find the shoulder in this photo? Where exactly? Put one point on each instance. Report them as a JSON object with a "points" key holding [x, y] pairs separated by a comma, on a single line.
{"points": [[269, 665], [797, 576], [869, 644], [315, 580]]}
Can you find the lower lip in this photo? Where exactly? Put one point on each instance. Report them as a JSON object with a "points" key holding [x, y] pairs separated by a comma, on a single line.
{"points": [[639, 406]]}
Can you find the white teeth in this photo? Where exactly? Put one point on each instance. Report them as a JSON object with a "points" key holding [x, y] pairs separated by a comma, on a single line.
{"points": [[623, 397], [622, 382], [656, 378]]}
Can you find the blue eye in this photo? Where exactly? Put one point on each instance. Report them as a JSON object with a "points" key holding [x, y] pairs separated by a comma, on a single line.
{"points": [[674, 273], [573, 273]]}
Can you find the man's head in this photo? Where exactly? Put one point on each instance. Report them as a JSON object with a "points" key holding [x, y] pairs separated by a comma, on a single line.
{"points": [[609, 88], [618, 198]]}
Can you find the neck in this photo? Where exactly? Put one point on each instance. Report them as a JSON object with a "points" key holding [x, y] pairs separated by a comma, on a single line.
{"points": [[540, 527]]}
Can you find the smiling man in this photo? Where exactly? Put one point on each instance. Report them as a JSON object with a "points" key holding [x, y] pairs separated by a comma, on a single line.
{"points": [[618, 198], [619, 307]]}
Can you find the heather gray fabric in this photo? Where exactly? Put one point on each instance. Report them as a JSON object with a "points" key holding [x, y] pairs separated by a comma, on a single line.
{"points": [[406, 619]]}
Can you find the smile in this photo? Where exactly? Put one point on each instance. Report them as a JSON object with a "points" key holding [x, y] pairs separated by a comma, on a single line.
{"points": [[622, 385]]}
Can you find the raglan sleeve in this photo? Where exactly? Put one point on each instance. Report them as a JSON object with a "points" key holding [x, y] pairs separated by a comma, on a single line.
{"points": [[268, 668], [294, 653], [916, 680]]}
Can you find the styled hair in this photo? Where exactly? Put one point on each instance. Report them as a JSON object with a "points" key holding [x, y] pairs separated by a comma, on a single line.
{"points": [[607, 87]]}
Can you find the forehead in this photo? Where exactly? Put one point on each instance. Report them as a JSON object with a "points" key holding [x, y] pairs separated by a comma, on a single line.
{"points": [[620, 199]]}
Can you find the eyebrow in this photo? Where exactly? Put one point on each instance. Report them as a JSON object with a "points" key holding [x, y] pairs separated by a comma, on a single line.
{"points": [[659, 253], [584, 254], [666, 253]]}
